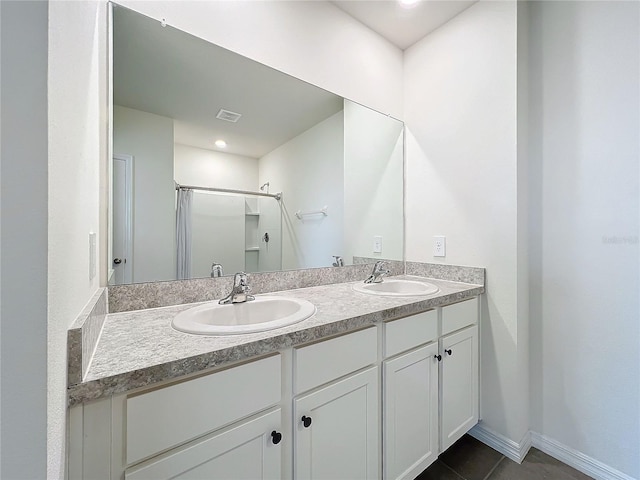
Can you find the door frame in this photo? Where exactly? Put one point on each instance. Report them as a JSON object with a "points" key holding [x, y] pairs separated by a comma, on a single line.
{"points": [[128, 219]]}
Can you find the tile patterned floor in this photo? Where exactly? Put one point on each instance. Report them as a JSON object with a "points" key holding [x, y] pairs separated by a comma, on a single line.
{"points": [[470, 459]]}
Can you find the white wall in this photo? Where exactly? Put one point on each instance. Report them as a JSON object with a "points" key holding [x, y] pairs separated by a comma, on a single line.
{"points": [[217, 233], [373, 183], [304, 39], [149, 139], [218, 220], [309, 172], [524, 247], [208, 168], [77, 139], [460, 111], [585, 357], [23, 237]]}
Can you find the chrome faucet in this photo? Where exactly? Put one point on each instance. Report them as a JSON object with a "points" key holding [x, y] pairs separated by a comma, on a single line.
{"points": [[216, 270], [378, 273], [239, 292], [339, 261]]}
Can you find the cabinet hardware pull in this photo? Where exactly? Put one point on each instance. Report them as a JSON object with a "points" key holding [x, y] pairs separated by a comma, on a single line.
{"points": [[447, 351], [306, 421], [439, 357], [276, 437]]}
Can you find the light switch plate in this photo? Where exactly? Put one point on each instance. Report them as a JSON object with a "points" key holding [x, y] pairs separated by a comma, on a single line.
{"points": [[377, 244]]}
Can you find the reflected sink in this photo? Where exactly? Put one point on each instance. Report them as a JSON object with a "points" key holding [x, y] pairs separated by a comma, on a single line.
{"points": [[392, 287], [259, 315]]}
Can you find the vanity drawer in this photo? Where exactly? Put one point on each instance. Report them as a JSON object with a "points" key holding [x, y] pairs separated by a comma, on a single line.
{"points": [[409, 332], [459, 315], [328, 360], [169, 416]]}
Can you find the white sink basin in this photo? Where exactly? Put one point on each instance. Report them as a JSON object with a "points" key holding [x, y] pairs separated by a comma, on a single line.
{"points": [[259, 315], [397, 288]]}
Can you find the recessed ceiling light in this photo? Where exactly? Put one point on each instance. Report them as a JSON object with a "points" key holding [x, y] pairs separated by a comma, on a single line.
{"points": [[221, 143], [408, 3]]}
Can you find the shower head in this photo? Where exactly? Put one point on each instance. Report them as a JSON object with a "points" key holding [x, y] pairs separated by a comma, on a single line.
{"points": [[265, 185]]}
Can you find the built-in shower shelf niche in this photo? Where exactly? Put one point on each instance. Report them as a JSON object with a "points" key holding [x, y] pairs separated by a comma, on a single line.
{"points": [[251, 206], [252, 238], [251, 223]]}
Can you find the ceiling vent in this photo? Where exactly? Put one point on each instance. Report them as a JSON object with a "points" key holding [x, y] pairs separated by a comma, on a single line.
{"points": [[228, 116]]}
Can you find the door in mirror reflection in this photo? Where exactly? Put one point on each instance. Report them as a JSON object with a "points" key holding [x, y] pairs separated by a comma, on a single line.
{"points": [[122, 191]]}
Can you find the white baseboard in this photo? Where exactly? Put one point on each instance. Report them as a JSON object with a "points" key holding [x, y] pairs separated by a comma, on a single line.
{"points": [[507, 447], [577, 460], [517, 451]]}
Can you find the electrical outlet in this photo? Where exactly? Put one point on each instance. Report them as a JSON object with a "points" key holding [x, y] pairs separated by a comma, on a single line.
{"points": [[439, 246], [377, 244]]}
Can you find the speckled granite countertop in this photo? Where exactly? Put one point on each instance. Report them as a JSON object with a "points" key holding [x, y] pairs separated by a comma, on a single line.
{"points": [[140, 348]]}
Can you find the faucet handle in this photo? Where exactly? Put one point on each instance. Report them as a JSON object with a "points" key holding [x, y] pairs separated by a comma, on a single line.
{"points": [[216, 270], [378, 272], [379, 266], [240, 279]]}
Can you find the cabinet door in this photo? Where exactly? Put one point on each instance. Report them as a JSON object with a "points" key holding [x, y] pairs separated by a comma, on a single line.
{"points": [[410, 416], [246, 451], [338, 438], [459, 390]]}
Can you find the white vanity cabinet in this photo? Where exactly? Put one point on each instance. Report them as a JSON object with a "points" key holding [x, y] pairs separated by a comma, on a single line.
{"points": [[410, 393], [459, 384], [249, 450], [226, 424], [410, 412], [336, 424], [336, 429], [430, 386], [380, 402], [459, 371], [159, 419]]}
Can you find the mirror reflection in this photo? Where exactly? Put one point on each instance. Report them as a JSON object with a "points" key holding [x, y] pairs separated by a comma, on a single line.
{"points": [[222, 164]]}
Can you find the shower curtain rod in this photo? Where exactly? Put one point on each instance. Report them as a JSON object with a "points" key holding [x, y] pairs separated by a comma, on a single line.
{"points": [[277, 196]]}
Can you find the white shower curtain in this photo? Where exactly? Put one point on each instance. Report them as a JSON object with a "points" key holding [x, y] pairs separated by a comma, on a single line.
{"points": [[183, 232]]}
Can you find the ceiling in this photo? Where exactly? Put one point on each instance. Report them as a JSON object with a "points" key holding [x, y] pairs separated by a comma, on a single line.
{"points": [[167, 72], [403, 26]]}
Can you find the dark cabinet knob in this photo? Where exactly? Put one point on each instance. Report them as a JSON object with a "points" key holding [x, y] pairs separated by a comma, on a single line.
{"points": [[448, 352], [438, 357], [117, 261], [306, 421], [276, 437]]}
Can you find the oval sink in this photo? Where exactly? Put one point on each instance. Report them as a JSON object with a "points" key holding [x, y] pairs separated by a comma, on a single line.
{"points": [[397, 288], [259, 315]]}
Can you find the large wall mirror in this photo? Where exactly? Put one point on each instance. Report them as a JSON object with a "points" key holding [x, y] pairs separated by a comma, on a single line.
{"points": [[303, 175]]}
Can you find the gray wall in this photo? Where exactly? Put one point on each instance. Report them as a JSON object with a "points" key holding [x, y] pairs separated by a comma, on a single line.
{"points": [[23, 238]]}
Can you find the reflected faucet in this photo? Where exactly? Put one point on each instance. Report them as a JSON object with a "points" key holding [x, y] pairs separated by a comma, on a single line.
{"points": [[216, 270], [239, 292], [378, 272], [339, 261]]}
